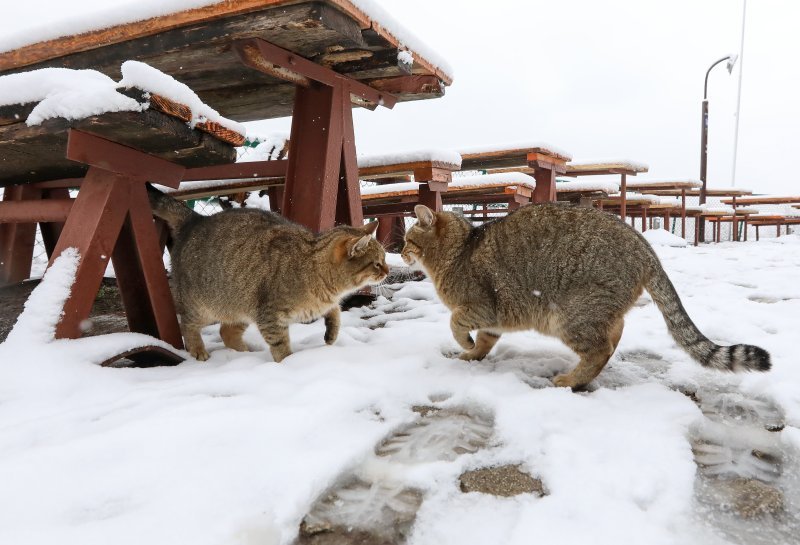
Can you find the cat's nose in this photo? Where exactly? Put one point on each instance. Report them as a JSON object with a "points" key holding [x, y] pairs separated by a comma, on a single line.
{"points": [[384, 269]]}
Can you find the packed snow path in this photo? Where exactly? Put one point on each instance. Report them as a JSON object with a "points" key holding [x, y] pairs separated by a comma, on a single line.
{"points": [[241, 450]]}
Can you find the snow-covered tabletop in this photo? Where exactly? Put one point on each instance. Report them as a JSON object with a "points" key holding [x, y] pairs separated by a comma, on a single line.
{"points": [[587, 186], [512, 154], [506, 181], [195, 39], [608, 166], [436, 157]]}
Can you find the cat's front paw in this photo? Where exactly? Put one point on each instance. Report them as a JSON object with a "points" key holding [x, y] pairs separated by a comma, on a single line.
{"points": [[200, 354], [330, 337], [471, 355], [565, 381]]}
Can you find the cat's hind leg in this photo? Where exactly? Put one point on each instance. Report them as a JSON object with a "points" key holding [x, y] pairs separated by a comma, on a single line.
{"points": [[231, 334], [191, 324], [594, 343], [484, 342]]}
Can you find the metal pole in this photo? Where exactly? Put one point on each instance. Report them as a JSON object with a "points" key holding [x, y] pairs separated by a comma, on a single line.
{"points": [[703, 163], [704, 145], [738, 99]]}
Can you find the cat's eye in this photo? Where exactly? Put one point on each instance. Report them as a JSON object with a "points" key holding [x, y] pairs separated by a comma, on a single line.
{"points": [[377, 265]]}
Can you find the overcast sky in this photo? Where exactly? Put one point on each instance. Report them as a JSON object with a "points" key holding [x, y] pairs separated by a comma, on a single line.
{"points": [[608, 79]]}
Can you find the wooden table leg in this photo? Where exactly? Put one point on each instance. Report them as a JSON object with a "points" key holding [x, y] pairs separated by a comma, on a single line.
{"points": [[17, 240], [322, 176], [644, 219], [92, 228], [51, 231], [140, 273], [683, 213], [545, 190]]}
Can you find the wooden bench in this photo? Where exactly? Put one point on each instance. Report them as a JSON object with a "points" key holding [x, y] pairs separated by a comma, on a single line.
{"points": [[109, 157], [397, 200], [623, 169], [676, 188], [585, 192], [542, 161]]}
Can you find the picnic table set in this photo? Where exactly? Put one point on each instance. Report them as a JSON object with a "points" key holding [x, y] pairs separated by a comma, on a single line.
{"points": [[87, 120]]}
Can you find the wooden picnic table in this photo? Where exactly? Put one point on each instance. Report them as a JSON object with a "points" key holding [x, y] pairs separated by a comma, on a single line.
{"points": [[621, 168], [545, 162], [679, 187], [252, 59], [397, 200], [710, 192]]}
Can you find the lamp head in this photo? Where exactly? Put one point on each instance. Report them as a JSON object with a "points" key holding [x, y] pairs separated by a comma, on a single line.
{"points": [[731, 62]]}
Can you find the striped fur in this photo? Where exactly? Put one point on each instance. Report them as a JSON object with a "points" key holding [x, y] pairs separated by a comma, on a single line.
{"points": [[739, 357]]}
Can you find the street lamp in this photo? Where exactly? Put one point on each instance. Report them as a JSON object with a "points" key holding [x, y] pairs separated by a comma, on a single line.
{"points": [[704, 136]]}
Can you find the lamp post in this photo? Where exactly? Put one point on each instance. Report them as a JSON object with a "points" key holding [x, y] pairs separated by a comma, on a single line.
{"points": [[704, 136]]}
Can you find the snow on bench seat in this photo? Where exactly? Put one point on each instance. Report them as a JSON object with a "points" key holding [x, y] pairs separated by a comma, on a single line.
{"points": [[78, 94], [507, 181], [587, 186], [445, 158], [610, 166]]}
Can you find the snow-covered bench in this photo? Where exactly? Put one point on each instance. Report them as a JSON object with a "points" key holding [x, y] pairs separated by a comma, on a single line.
{"points": [[397, 200], [621, 167], [79, 129], [541, 160]]}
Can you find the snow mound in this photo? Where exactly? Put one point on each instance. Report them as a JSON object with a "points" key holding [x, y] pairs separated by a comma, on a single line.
{"points": [[662, 237], [44, 307]]}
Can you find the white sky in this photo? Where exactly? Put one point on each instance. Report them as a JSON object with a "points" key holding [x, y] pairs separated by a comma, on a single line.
{"points": [[608, 79], [602, 79]]}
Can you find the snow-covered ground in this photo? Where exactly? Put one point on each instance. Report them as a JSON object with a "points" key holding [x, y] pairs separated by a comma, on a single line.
{"points": [[238, 449]]}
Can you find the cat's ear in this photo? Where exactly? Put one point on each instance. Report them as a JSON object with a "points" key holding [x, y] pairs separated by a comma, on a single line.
{"points": [[370, 227], [425, 215], [359, 245]]}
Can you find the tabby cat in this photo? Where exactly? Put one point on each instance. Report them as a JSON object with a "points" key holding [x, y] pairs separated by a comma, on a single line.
{"points": [[245, 266], [568, 272]]}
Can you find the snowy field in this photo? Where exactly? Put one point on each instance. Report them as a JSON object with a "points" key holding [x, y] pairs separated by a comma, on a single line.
{"points": [[238, 449]]}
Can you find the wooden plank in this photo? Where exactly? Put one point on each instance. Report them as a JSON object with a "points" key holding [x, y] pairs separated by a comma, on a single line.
{"points": [[763, 200], [35, 211], [398, 169], [38, 153], [197, 51], [516, 157]]}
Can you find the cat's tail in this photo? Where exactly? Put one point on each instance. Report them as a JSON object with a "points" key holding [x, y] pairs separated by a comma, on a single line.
{"points": [[169, 209], [739, 357]]}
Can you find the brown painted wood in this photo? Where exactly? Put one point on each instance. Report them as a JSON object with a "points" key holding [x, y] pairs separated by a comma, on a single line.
{"points": [[95, 151], [287, 22], [146, 356], [252, 169], [141, 275], [348, 199], [16, 239], [38, 153], [762, 200], [545, 185], [34, 211], [312, 178], [92, 228]]}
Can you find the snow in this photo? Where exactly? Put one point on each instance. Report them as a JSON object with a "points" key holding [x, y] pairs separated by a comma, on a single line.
{"points": [[609, 163], [587, 185], [142, 76], [473, 150], [238, 449], [92, 17], [500, 179], [434, 155], [652, 199], [60, 92], [268, 149], [37, 323], [662, 237], [77, 94]]}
